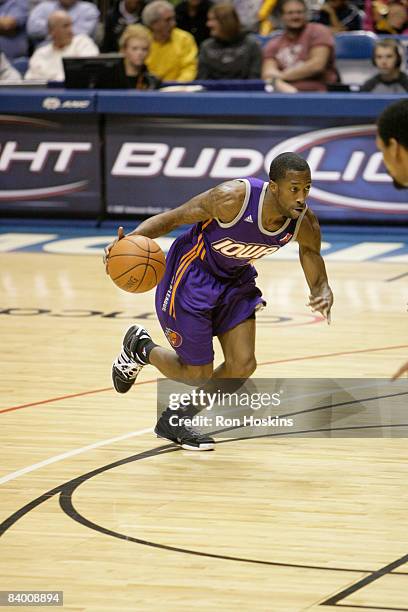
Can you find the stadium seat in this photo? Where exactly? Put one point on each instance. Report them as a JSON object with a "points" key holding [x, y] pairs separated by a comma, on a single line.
{"points": [[20, 64], [354, 51]]}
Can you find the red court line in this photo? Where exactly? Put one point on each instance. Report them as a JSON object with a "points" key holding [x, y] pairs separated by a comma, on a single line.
{"points": [[372, 350], [145, 382], [64, 397]]}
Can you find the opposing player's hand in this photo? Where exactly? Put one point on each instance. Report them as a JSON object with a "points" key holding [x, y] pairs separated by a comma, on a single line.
{"points": [[403, 369], [322, 303], [107, 249]]}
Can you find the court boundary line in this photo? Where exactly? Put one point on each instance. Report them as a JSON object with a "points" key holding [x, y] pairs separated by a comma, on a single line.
{"points": [[71, 453]]}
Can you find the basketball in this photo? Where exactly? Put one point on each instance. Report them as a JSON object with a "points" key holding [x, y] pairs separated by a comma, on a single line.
{"points": [[136, 264]]}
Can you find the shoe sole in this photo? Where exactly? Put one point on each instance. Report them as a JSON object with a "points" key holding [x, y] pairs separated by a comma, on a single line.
{"points": [[122, 381], [204, 447]]}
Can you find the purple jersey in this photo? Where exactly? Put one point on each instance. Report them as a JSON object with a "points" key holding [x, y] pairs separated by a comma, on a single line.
{"points": [[228, 247], [209, 284]]}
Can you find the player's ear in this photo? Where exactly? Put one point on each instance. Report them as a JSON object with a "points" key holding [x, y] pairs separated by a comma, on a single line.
{"points": [[272, 186], [393, 147]]}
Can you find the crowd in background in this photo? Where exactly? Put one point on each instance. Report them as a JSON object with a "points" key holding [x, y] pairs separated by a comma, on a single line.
{"points": [[288, 43]]}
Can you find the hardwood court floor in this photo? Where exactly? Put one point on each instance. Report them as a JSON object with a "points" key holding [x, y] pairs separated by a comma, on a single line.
{"points": [[94, 505]]}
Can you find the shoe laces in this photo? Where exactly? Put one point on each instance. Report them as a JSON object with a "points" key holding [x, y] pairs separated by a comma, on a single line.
{"points": [[127, 366]]}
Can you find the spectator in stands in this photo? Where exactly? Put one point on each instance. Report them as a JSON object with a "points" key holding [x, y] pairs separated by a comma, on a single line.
{"points": [[7, 72], [173, 54], [84, 17], [122, 14], [303, 55], [135, 45], [395, 21], [191, 15], [340, 16], [13, 37], [388, 58], [230, 53], [46, 62]]}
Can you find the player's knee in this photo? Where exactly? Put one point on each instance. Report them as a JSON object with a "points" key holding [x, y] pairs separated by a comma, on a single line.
{"points": [[244, 367], [200, 373]]}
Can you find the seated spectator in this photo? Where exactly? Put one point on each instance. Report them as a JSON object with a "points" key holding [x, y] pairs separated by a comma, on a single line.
{"points": [[191, 16], [84, 17], [46, 62], [395, 21], [303, 55], [13, 37], [373, 11], [230, 53], [135, 45], [173, 53], [388, 58], [7, 72], [122, 14], [340, 16]]}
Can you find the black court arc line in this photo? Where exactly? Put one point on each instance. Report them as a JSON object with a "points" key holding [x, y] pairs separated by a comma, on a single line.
{"points": [[309, 410], [67, 489]]}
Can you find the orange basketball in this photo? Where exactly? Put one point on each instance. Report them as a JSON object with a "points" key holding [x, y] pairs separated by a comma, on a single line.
{"points": [[136, 264]]}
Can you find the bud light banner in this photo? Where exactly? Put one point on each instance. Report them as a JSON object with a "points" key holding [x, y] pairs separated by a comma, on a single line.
{"points": [[155, 164], [50, 164]]}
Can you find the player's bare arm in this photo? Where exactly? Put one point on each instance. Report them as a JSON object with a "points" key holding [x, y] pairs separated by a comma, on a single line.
{"points": [[309, 239], [222, 202]]}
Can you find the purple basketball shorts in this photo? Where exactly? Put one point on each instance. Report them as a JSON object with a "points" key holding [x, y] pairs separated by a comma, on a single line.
{"points": [[193, 305]]}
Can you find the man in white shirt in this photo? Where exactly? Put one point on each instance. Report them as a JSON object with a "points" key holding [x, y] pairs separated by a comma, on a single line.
{"points": [[46, 62], [84, 15]]}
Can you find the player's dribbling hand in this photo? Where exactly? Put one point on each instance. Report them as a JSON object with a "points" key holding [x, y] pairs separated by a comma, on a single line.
{"points": [[121, 234], [322, 304], [403, 369]]}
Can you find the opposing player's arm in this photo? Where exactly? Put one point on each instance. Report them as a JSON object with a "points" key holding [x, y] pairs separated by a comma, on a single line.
{"points": [[309, 239], [222, 202]]}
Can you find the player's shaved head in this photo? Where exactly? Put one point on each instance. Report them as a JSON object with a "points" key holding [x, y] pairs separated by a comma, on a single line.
{"points": [[286, 162], [393, 123]]}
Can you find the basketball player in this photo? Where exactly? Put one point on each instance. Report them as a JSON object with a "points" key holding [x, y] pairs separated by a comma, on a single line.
{"points": [[392, 140], [209, 285]]}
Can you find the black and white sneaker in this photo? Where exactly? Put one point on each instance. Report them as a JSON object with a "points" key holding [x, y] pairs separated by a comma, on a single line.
{"points": [[130, 361], [186, 437]]}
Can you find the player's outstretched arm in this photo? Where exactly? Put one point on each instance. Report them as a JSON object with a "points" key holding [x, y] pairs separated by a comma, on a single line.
{"points": [[402, 370], [222, 202], [321, 296]]}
